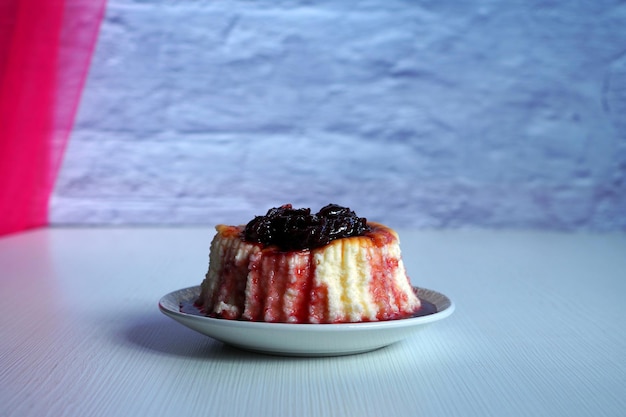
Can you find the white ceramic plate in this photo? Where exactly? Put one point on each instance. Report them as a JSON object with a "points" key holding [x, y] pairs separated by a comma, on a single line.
{"points": [[305, 339]]}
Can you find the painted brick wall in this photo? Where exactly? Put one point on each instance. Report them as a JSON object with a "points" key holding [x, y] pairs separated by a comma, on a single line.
{"points": [[415, 113]]}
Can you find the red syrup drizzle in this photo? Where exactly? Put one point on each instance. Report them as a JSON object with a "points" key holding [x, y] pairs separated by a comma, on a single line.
{"points": [[427, 308]]}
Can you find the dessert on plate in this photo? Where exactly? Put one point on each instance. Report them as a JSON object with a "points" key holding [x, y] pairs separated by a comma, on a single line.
{"points": [[293, 266]]}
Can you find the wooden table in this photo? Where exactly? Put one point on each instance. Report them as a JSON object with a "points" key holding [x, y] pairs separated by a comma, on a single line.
{"points": [[539, 330]]}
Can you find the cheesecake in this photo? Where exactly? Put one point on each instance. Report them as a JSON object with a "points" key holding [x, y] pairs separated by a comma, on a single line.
{"points": [[291, 266]]}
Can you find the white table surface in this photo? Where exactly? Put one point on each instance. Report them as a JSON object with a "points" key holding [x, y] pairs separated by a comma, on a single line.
{"points": [[539, 330]]}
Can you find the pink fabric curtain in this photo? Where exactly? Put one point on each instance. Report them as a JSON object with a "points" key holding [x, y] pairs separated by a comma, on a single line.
{"points": [[45, 52]]}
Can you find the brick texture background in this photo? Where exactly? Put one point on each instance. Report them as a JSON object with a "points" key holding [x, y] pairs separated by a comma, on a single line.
{"points": [[430, 114]]}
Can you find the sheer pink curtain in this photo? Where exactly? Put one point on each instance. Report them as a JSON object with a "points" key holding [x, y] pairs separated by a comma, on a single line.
{"points": [[45, 52]]}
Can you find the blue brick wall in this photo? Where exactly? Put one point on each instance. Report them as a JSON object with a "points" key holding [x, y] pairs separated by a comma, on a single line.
{"points": [[414, 113]]}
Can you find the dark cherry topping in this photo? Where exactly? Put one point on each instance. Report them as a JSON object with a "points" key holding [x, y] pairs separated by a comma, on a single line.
{"points": [[296, 229]]}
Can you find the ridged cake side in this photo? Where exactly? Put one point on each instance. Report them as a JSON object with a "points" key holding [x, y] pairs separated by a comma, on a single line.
{"points": [[222, 292]]}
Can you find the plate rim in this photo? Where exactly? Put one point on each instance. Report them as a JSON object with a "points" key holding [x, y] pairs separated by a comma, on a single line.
{"points": [[448, 307]]}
